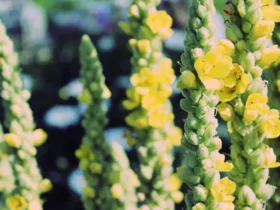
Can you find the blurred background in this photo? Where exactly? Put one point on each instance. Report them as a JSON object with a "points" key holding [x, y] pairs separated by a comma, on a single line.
{"points": [[46, 34]]}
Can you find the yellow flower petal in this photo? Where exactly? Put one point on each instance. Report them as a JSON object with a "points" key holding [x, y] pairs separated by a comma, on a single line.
{"points": [[271, 13]]}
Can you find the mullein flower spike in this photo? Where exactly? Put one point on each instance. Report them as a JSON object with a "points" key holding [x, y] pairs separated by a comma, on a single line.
{"points": [[147, 100], [250, 120], [20, 180], [108, 177], [204, 70]]}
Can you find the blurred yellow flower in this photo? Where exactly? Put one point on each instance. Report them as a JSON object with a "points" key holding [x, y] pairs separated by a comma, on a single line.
{"points": [[270, 125], [13, 140], [270, 10], [117, 190], [269, 158], [160, 22], [159, 118], [16, 202]]}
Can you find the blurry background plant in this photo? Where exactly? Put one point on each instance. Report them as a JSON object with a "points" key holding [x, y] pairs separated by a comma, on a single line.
{"points": [[47, 34]]}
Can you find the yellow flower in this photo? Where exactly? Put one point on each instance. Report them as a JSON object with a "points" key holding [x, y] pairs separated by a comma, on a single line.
{"points": [[143, 81], [269, 160], [173, 138], [270, 10], [159, 118], [13, 140], [213, 68], [228, 47], [223, 191], [164, 72], [16, 202], [153, 100], [263, 28], [226, 111], [160, 22], [144, 46], [270, 125], [235, 83], [269, 56], [117, 190], [255, 106], [174, 183], [133, 100], [221, 165], [39, 136]]}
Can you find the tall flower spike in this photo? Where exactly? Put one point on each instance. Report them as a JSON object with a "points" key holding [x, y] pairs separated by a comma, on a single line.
{"points": [[150, 116], [274, 94], [107, 175], [251, 120], [203, 162], [21, 176]]}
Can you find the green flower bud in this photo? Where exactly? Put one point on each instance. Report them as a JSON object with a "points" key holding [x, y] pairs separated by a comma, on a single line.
{"points": [[199, 206], [234, 33], [187, 80], [191, 122], [200, 193], [187, 176], [187, 105], [191, 137], [191, 160], [202, 152], [246, 195], [146, 171], [211, 177], [264, 191]]}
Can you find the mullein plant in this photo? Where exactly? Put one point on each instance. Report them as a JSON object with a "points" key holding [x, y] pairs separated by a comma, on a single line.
{"points": [[110, 183], [150, 113], [21, 182], [244, 100], [204, 67], [273, 75]]}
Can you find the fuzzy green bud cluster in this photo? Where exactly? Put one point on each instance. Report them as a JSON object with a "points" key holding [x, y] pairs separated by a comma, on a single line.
{"points": [[106, 171], [150, 116], [249, 29], [21, 182], [203, 162]]}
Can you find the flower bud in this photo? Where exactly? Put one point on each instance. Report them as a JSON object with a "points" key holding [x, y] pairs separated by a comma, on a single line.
{"points": [[191, 137], [89, 192], [187, 176], [246, 195], [187, 105], [234, 33], [13, 140], [187, 80], [200, 193], [191, 160], [211, 178], [202, 152], [226, 111], [117, 191], [199, 206]]}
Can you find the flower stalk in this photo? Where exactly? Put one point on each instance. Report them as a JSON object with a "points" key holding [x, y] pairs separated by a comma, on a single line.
{"points": [[203, 162], [110, 184], [153, 132], [250, 120], [20, 177]]}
